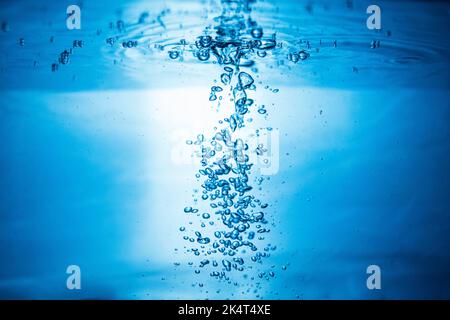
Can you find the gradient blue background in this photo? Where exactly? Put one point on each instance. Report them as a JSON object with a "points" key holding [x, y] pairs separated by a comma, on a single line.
{"points": [[86, 175]]}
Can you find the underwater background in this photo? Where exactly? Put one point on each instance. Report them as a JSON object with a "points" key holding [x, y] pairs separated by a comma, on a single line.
{"points": [[95, 170]]}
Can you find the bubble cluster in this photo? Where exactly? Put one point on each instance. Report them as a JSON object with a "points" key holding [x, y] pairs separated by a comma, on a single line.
{"points": [[226, 169], [64, 56]]}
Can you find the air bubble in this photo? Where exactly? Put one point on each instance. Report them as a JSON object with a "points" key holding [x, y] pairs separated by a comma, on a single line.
{"points": [[174, 54]]}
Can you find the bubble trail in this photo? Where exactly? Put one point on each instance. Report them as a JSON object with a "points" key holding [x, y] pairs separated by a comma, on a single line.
{"points": [[225, 171]]}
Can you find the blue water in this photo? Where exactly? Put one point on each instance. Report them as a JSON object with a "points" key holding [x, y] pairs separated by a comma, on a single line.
{"points": [[95, 170]]}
